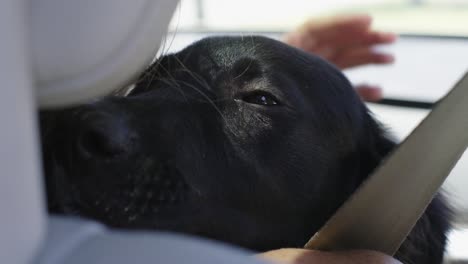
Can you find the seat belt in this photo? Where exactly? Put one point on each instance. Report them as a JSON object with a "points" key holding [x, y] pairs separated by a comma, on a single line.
{"points": [[384, 209]]}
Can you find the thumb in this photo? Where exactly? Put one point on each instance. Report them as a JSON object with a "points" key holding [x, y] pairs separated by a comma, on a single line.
{"points": [[369, 93]]}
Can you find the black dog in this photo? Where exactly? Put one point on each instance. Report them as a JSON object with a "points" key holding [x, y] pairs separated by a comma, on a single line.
{"points": [[244, 140]]}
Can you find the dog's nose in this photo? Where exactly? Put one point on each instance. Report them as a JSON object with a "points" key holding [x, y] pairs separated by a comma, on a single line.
{"points": [[104, 136]]}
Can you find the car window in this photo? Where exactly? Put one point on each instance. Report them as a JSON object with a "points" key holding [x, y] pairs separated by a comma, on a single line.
{"points": [[430, 17]]}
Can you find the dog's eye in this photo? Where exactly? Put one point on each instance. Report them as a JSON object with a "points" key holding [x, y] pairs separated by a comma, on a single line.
{"points": [[260, 98]]}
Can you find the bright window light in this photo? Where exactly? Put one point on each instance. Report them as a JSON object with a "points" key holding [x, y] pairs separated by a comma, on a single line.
{"points": [[435, 17]]}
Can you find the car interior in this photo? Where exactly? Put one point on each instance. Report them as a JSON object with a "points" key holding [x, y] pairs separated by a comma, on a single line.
{"points": [[51, 60]]}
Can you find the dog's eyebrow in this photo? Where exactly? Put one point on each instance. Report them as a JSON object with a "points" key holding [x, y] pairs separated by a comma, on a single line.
{"points": [[247, 67]]}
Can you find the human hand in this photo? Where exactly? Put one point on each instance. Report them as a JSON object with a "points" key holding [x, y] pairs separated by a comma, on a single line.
{"points": [[346, 41], [304, 256]]}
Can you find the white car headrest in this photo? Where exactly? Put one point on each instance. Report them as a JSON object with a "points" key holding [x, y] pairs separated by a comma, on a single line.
{"points": [[84, 49], [63, 51]]}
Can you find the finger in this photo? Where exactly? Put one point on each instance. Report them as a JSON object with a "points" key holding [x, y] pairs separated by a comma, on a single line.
{"points": [[353, 257], [369, 93], [303, 256], [316, 32], [342, 32], [337, 24], [299, 40], [293, 38], [377, 37], [362, 56], [325, 37], [347, 21], [334, 33], [349, 40]]}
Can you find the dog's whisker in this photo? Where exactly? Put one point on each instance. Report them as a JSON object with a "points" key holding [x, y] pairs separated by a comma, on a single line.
{"points": [[193, 74], [175, 84], [164, 49], [172, 82], [244, 71], [209, 100]]}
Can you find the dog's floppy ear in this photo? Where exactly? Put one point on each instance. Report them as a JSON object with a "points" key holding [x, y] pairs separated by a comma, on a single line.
{"points": [[373, 144], [376, 142]]}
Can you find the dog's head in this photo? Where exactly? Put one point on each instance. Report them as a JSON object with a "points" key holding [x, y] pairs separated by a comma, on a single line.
{"points": [[245, 140]]}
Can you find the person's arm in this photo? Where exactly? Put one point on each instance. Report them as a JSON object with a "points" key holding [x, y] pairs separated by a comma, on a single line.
{"points": [[304, 256], [346, 41]]}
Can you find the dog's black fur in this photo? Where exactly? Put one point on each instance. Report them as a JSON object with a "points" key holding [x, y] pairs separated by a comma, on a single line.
{"points": [[243, 140]]}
